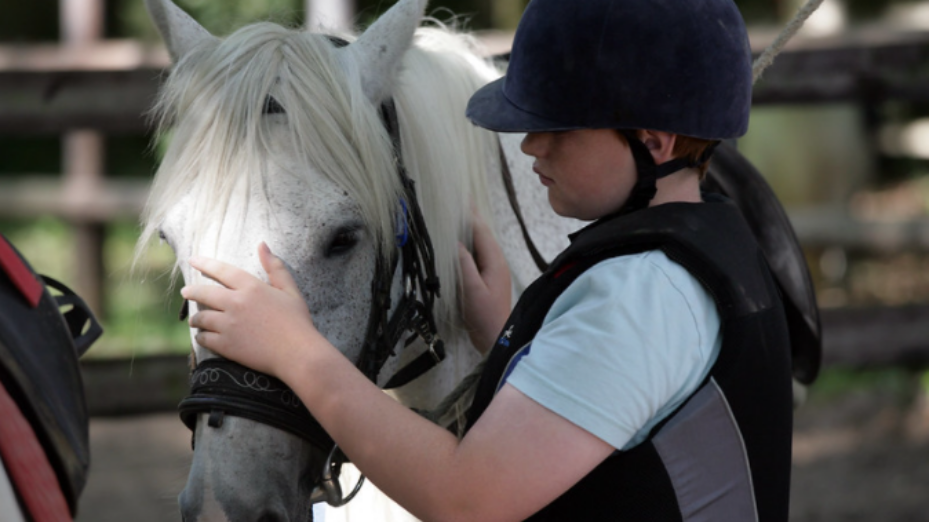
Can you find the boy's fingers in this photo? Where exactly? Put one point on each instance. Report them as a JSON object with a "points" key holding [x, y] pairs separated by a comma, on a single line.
{"points": [[470, 275], [278, 275], [223, 273], [207, 339], [206, 320], [491, 263], [211, 296], [483, 237]]}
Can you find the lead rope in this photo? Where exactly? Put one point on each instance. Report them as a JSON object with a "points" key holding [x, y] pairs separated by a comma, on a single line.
{"points": [[540, 261], [770, 53], [450, 413]]}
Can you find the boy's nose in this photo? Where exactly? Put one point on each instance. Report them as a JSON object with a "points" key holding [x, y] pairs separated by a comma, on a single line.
{"points": [[535, 144]]}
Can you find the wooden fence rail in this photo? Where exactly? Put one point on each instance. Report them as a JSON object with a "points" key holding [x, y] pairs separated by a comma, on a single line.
{"points": [[110, 85]]}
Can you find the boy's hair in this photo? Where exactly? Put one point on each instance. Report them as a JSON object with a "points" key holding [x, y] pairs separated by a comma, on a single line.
{"points": [[693, 149], [687, 147]]}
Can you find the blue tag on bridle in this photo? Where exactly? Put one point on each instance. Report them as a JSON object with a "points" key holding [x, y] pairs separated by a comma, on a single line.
{"points": [[403, 228]]}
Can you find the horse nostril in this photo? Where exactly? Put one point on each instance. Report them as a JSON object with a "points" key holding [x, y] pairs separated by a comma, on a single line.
{"points": [[271, 517]]}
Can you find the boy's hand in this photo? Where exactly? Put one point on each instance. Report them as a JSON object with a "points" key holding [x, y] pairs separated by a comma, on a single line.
{"points": [[485, 286], [255, 324]]}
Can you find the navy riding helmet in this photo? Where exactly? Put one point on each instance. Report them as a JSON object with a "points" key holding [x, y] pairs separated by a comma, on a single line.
{"points": [[678, 66]]}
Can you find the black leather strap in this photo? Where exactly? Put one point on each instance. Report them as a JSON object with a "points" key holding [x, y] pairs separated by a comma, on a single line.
{"points": [[540, 261], [224, 386]]}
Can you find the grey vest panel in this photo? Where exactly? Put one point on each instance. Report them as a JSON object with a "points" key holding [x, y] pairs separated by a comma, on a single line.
{"points": [[704, 454]]}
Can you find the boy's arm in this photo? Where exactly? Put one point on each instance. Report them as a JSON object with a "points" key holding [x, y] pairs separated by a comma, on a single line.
{"points": [[516, 459]]}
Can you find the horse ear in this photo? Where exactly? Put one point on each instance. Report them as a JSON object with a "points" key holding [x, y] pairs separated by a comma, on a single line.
{"points": [[378, 50], [180, 32]]}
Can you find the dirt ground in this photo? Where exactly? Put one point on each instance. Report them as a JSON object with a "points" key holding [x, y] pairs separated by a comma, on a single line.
{"points": [[138, 467], [862, 457], [857, 457]]}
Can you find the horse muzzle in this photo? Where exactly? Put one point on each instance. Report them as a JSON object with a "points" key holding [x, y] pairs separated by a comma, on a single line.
{"points": [[219, 387]]}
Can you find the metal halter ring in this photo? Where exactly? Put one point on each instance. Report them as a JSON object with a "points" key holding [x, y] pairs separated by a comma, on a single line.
{"points": [[329, 490]]}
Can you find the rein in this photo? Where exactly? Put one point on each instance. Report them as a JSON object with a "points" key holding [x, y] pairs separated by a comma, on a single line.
{"points": [[537, 258]]}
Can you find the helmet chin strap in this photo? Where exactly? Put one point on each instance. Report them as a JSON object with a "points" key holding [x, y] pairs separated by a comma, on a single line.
{"points": [[649, 173]]}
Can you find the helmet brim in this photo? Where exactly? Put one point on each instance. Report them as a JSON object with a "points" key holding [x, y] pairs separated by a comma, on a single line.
{"points": [[490, 108]]}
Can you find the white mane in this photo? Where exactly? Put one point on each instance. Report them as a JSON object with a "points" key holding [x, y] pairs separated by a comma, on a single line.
{"points": [[212, 105]]}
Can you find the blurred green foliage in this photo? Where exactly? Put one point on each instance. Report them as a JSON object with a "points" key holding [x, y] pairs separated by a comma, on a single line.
{"points": [[129, 19], [142, 304], [900, 383]]}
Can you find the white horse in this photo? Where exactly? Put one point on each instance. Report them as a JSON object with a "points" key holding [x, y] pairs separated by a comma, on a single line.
{"points": [[276, 137]]}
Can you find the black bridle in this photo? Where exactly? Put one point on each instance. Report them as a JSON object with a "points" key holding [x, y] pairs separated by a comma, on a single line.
{"points": [[421, 286], [220, 387]]}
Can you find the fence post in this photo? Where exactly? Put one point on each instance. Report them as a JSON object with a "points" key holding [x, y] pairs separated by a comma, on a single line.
{"points": [[81, 23]]}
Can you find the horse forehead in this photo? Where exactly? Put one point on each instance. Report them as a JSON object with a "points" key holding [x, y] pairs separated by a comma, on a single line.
{"points": [[312, 197], [300, 188]]}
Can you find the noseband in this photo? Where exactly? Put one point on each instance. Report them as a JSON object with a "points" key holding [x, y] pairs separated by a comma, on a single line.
{"points": [[220, 387]]}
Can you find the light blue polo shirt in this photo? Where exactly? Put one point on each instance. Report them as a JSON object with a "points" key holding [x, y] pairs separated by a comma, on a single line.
{"points": [[622, 347]]}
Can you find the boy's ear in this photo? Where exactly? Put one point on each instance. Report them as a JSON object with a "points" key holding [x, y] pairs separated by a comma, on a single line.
{"points": [[660, 144]]}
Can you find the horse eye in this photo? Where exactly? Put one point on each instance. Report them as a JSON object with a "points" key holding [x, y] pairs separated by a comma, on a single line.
{"points": [[344, 240]]}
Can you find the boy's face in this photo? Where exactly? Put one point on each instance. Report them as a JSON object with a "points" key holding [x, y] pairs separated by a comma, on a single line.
{"points": [[589, 172]]}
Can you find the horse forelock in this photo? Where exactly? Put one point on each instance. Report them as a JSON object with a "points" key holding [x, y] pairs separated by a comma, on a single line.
{"points": [[212, 107]]}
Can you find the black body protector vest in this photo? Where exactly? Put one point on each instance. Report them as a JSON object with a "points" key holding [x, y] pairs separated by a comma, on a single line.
{"points": [[724, 455]]}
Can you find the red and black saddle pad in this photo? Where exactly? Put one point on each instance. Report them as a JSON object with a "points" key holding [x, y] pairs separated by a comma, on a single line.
{"points": [[28, 467], [42, 335]]}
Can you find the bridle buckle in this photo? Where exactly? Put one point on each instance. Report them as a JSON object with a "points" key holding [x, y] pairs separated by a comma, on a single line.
{"points": [[329, 490], [432, 351]]}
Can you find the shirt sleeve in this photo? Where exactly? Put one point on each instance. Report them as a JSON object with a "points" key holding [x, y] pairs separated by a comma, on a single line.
{"points": [[625, 344]]}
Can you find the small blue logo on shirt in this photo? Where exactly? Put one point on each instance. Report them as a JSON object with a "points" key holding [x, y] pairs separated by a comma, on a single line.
{"points": [[505, 338]]}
